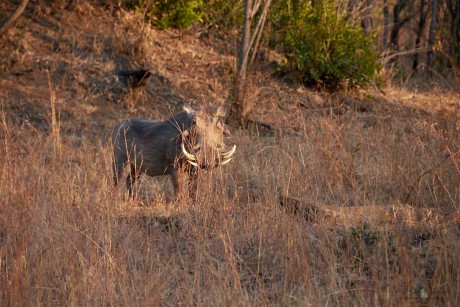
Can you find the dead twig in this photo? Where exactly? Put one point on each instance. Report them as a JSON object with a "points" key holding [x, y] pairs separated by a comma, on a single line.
{"points": [[4, 28], [423, 174], [255, 124], [298, 206]]}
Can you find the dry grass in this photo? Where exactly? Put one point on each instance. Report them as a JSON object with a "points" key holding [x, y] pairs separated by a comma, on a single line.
{"points": [[67, 238], [383, 172]]}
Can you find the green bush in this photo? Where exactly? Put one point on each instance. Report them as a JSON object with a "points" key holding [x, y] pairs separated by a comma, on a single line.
{"points": [[181, 14], [322, 43], [223, 13]]}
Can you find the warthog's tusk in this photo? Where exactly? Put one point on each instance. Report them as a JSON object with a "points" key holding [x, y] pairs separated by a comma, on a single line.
{"points": [[193, 163], [188, 155], [229, 153], [225, 161]]}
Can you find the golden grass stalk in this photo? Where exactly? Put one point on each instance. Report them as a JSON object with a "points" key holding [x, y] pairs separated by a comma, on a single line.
{"points": [[55, 121]]}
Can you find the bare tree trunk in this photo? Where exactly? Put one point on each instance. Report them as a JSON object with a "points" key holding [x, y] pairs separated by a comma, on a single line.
{"points": [[455, 30], [457, 19], [4, 28], [246, 34], [434, 10], [239, 108], [386, 24], [398, 23], [236, 110], [367, 23], [394, 37], [421, 26]]}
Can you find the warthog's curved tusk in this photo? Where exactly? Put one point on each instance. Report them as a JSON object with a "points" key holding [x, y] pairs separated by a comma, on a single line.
{"points": [[229, 153], [193, 163], [188, 155], [225, 161]]}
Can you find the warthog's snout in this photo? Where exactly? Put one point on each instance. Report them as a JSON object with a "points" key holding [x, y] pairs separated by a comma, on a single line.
{"points": [[204, 161]]}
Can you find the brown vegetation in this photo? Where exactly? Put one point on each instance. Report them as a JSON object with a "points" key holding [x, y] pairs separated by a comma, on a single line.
{"points": [[368, 182]]}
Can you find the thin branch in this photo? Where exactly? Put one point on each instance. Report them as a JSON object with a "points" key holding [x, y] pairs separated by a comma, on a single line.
{"points": [[407, 52], [255, 8], [4, 28], [259, 35], [147, 7], [423, 174], [258, 28]]}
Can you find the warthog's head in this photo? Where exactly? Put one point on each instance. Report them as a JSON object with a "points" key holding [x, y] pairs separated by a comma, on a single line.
{"points": [[203, 143]]}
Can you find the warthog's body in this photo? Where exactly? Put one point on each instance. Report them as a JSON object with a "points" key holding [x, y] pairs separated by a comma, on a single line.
{"points": [[158, 147]]}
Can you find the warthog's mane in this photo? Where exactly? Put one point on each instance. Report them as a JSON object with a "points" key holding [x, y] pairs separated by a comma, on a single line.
{"points": [[182, 120], [151, 128]]}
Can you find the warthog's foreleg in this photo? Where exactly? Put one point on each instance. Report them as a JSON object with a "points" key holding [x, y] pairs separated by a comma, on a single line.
{"points": [[192, 183], [116, 175], [175, 181]]}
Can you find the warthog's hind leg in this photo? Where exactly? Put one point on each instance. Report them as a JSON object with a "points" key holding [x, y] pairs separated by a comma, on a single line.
{"points": [[192, 181], [131, 179], [175, 182], [117, 168]]}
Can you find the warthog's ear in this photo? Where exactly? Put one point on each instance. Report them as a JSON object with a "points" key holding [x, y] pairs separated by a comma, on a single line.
{"points": [[189, 109], [221, 111]]}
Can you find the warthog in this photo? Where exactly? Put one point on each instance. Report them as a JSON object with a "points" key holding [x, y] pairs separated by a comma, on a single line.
{"points": [[156, 147]]}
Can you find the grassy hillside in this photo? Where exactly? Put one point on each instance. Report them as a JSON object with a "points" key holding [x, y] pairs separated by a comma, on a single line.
{"points": [[351, 199]]}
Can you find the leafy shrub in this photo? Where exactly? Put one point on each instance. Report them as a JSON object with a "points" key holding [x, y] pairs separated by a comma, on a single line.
{"points": [[181, 14], [322, 42], [364, 233], [226, 14]]}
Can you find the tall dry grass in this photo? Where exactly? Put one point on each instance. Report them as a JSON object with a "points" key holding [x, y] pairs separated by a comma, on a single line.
{"points": [[67, 237]]}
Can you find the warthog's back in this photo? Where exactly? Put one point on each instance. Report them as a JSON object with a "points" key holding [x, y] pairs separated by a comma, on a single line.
{"points": [[149, 144], [133, 127]]}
